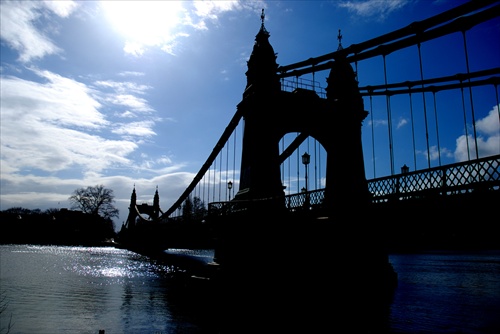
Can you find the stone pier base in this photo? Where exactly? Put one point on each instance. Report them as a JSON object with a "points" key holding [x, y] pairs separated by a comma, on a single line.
{"points": [[303, 275]]}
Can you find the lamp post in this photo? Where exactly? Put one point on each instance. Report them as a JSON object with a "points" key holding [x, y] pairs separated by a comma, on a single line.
{"points": [[306, 158], [229, 186], [404, 170]]}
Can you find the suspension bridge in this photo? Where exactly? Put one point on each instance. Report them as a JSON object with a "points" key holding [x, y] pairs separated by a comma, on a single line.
{"points": [[272, 142], [289, 172]]}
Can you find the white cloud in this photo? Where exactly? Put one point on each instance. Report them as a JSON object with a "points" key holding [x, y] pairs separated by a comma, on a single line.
{"points": [[131, 74], [378, 122], [490, 124], [122, 95], [134, 48], [61, 8], [18, 26], [127, 114], [123, 87], [434, 153], [130, 101], [402, 122], [488, 138], [49, 127], [487, 147], [58, 100], [379, 9], [156, 166], [141, 129], [211, 9]]}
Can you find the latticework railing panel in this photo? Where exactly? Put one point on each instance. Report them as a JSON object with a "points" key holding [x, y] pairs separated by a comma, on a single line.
{"points": [[452, 179], [309, 200], [460, 178], [305, 200]]}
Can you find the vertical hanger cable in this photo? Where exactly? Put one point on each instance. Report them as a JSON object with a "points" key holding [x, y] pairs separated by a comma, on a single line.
{"points": [[389, 119], [425, 107]]}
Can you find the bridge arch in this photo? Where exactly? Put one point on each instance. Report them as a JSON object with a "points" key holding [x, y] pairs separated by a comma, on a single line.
{"points": [[293, 145]]}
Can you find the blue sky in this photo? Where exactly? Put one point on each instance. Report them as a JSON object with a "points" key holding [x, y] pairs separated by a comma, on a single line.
{"points": [[138, 93]]}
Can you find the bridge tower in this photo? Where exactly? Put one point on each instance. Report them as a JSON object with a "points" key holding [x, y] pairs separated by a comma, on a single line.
{"points": [[334, 262], [335, 122], [260, 173], [134, 210]]}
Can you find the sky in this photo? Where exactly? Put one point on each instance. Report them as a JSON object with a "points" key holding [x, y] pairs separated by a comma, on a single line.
{"points": [[137, 93]]}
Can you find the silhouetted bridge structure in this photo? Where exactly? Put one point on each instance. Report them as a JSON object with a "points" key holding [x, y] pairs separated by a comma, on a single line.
{"points": [[290, 119], [291, 124]]}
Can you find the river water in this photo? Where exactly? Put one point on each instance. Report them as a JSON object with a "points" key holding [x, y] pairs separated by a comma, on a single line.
{"points": [[54, 289]]}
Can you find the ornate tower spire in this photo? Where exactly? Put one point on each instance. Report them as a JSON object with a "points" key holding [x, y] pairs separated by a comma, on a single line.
{"points": [[156, 204], [262, 66], [262, 17], [133, 198], [132, 214], [339, 37]]}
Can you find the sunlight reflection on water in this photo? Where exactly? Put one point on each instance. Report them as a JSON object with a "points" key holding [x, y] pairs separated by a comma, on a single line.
{"points": [[83, 289], [111, 263]]}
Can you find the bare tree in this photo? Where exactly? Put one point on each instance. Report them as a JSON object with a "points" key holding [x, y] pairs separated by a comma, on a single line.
{"points": [[96, 200]]}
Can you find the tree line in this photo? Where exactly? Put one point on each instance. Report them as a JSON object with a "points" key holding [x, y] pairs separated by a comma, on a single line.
{"points": [[87, 222]]}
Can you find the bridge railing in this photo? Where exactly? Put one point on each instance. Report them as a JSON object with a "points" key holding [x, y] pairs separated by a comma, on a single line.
{"points": [[454, 179], [296, 202], [228, 207], [458, 178], [305, 200]]}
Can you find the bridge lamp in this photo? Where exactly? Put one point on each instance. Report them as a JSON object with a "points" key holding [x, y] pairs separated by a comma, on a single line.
{"points": [[405, 169], [306, 158], [230, 186]]}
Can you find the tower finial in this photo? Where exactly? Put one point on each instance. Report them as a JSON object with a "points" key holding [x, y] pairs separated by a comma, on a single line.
{"points": [[339, 37], [262, 28]]}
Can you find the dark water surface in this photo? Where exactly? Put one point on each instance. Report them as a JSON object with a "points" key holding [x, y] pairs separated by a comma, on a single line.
{"points": [[447, 292], [53, 289]]}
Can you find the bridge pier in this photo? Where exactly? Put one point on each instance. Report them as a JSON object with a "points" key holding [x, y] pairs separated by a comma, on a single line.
{"points": [[283, 273]]}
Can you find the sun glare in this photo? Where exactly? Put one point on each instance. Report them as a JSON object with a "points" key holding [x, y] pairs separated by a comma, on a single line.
{"points": [[144, 23]]}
